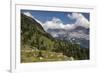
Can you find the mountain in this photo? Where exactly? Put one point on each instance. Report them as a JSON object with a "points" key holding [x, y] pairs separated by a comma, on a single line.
{"points": [[32, 31], [37, 44], [78, 35]]}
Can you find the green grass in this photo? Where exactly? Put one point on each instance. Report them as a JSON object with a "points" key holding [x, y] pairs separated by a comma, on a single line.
{"points": [[30, 55]]}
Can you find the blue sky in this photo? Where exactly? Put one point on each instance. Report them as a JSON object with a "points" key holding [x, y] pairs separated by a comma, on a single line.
{"points": [[48, 15], [68, 21]]}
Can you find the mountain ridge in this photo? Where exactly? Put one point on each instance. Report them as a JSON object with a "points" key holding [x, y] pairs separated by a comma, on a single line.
{"points": [[33, 36]]}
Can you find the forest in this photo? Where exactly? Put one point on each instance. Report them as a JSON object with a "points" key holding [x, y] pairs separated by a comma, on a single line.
{"points": [[37, 45]]}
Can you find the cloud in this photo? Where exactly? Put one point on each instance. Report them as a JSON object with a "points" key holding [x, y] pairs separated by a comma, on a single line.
{"points": [[56, 23], [69, 26], [80, 19]]}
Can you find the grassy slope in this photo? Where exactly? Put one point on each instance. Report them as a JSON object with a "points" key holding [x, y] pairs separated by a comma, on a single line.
{"points": [[34, 40], [30, 55]]}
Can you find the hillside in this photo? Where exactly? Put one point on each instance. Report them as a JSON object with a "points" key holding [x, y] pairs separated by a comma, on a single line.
{"points": [[37, 45]]}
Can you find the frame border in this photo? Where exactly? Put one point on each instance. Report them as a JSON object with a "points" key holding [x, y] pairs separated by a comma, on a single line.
{"points": [[13, 62]]}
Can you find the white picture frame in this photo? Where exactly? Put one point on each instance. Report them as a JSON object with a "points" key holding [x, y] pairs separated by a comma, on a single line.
{"points": [[17, 67]]}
